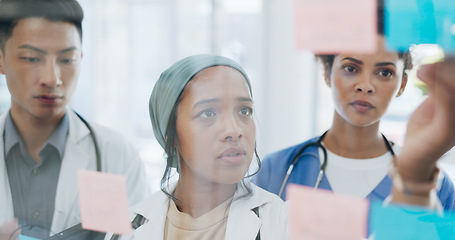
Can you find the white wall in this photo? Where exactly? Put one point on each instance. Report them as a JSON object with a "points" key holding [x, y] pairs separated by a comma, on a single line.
{"points": [[287, 101]]}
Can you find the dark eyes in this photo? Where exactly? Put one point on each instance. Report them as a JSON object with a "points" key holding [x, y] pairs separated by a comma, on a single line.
{"points": [[36, 60], [66, 61], [382, 72], [386, 73], [350, 69], [30, 59], [245, 111], [207, 114]]}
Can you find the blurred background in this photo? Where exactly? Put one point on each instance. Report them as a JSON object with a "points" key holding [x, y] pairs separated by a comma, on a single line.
{"points": [[128, 43]]}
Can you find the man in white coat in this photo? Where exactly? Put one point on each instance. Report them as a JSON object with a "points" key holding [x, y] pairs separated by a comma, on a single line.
{"points": [[42, 142]]}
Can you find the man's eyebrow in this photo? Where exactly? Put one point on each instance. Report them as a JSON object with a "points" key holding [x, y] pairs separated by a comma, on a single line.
{"points": [[68, 49], [28, 46]]}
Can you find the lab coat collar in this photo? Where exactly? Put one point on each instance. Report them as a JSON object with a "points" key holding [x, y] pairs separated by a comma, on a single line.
{"points": [[241, 215], [6, 200], [154, 210], [75, 157]]}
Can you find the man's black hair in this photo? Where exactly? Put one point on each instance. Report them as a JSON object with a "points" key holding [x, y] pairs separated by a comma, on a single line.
{"points": [[11, 11]]}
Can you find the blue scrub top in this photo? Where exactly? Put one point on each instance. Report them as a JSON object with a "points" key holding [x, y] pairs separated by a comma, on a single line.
{"points": [[305, 172]]}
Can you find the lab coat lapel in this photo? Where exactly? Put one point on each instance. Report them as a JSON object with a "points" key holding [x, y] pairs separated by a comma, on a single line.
{"points": [[6, 201], [241, 216], [243, 223], [155, 211], [75, 157]]}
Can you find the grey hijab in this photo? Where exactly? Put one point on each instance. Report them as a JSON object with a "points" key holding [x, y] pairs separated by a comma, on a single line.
{"points": [[170, 85]]}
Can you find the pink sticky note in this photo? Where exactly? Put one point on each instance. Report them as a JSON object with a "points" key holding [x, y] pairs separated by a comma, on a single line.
{"points": [[334, 26], [103, 202], [322, 215]]}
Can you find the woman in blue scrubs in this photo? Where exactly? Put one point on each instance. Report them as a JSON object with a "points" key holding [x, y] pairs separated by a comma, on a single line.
{"points": [[352, 157]]}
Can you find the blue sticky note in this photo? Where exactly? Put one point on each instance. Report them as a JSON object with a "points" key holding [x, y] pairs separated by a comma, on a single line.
{"points": [[420, 22], [409, 222], [23, 237]]}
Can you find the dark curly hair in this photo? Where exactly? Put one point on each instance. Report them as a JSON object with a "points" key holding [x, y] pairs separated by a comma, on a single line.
{"points": [[327, 60]]}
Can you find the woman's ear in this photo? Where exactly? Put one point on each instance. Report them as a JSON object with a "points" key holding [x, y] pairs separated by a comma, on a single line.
{"points": [[404, 81]]}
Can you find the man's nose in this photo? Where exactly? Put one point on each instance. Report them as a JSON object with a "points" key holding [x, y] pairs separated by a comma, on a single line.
{"points": [[51, 75]]}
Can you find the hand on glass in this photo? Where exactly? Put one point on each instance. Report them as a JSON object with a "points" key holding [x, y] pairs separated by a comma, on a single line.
{"points": [[431, 128]]}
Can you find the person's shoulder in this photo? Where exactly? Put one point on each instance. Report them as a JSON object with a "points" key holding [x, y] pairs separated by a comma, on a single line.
{"points": [[111, 142], [267, 197], [149, 207], [3, 117], [274, 214], [101, 132], [110, 137], [106, 132]]}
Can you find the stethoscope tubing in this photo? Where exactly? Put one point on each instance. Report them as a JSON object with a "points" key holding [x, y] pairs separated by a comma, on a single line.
{"points": [[318, 144], [92, 134], [95, 142], [96, 146], [301, 153]]}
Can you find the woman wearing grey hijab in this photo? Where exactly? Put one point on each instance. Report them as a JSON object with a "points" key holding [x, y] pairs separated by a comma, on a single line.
{"points": [[201, 110]]}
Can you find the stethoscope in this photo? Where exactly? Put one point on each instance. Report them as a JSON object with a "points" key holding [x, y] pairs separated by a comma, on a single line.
{"points": [[317, 143], [92, 135], [95, 144]]}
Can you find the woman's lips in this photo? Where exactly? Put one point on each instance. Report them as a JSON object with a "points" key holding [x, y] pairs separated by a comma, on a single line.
{"points": [[234, 155], [362, 106]]}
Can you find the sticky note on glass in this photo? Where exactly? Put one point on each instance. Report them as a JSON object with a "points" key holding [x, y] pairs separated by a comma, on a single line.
{"points": [[409, 222], [24, 237], [420, 22], [334, 26], [103, 202], [322, 215]]}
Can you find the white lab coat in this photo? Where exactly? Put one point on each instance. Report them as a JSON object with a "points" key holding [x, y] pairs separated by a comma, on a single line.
{"points": [[243, 223], [117, 156]]}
